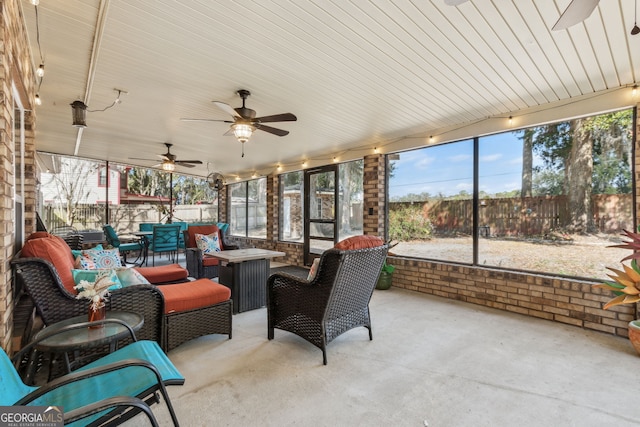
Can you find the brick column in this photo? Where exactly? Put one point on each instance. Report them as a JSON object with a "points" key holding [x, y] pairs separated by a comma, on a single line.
{"points": [[374, 183], [222, 204], [272, 210]]}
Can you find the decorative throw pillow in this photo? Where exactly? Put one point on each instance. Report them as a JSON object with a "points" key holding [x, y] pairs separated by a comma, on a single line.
{"points": [[101, 258], [83, 263], [77, 253], [313, 270], [129, 276], [359, 242], [92, 275], [208, 243]]}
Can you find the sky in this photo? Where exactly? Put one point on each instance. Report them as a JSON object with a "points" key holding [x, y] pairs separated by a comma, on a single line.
{"points": [[448, 168]]}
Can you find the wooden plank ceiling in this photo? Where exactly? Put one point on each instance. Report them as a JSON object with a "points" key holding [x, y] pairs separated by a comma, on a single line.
{"points": [[357, 74]]}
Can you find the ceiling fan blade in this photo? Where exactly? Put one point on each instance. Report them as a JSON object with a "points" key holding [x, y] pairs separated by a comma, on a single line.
{"points": [[140, 158], [186, 165], [204, 120], [195, 162], [226, 108], [284, 117], [576, 12], [454, 2], [272, 130]]}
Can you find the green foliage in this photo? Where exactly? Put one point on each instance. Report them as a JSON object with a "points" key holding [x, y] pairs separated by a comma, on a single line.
{"points": [[611, 135], [409, 223], [388, 268]]}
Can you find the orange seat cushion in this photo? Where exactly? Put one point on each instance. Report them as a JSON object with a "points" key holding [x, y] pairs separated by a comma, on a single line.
{"points": [[57, 252], [208, 261], [359, 242], [163, 273], [191, 295]]}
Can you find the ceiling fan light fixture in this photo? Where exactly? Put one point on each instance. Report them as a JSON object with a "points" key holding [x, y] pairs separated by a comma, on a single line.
{"points": [[242, 131], [168, 166], [79, 110]]}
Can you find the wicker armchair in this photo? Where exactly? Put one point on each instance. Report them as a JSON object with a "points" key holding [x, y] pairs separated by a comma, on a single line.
{"points": [[40, 280], [196, 265], [335, 301]]}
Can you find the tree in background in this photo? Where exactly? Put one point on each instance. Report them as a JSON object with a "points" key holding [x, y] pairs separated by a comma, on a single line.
{"points": [[72, 184], [350, 179], [579, 158]]}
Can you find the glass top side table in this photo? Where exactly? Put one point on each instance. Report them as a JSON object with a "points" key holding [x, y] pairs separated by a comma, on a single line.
{"points": [[74, 335]]}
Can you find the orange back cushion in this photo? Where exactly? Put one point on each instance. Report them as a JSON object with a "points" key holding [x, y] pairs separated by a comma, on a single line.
{"points": [[57, 252], [359, 242], [201, 229], [38, 235]]}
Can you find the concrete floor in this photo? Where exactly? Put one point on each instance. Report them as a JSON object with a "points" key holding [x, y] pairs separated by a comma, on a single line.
{"points": [[432, 362]]}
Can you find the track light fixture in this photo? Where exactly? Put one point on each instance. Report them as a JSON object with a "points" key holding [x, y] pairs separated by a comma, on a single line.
{"points": [[40, 71]]}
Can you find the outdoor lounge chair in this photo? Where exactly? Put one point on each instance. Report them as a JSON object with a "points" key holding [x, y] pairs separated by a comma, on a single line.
{"points": [[334, 301], [82, 393]]}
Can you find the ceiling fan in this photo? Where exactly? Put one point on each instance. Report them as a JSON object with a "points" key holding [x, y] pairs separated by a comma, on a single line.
{"points": [[576, 12], [169, 160], [245, 121]]}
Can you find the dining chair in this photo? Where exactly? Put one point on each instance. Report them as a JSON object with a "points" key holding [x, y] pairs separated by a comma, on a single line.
{"points": [[124, 248], [166, 239]]}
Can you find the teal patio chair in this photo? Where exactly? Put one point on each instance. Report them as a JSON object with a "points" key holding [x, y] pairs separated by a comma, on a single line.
{"points": [[166, 239], [183, 226], [124, 248], [104, 391]]}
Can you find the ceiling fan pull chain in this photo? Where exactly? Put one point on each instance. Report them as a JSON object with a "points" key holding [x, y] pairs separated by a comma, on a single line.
{"points": [[243, 149]]}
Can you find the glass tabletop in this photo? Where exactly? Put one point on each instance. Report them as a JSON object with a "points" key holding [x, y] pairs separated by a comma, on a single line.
{"points": [[73, 338]]}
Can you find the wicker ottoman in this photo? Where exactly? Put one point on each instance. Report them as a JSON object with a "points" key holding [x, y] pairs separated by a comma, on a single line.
{"points": [[194, 309]]}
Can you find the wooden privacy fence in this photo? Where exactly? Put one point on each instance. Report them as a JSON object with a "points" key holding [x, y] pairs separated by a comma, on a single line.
{"points": [[125, 218], [528, 216]]}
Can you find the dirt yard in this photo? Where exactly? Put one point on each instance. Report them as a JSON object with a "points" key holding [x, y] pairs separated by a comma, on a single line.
{"points": [[580, 256]]}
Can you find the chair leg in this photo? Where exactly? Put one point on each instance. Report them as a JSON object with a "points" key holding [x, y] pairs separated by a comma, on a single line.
{"points": [[324, 355]]}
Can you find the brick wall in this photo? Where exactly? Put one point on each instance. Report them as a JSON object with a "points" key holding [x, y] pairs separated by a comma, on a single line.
{"points": [[558, 299], [15, 69]]}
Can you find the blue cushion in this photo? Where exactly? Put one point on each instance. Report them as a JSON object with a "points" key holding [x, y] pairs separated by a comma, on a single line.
{"points": [[139, 379]]}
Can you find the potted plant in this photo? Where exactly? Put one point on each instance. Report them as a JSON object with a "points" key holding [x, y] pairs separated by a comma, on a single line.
{"points": [[625, 283], [386, 274]]}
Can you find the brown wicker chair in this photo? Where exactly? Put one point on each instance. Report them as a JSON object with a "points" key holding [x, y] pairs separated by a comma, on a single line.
{"points": [[194, 256], [40, 280], [335, 301], [173, 314]]}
